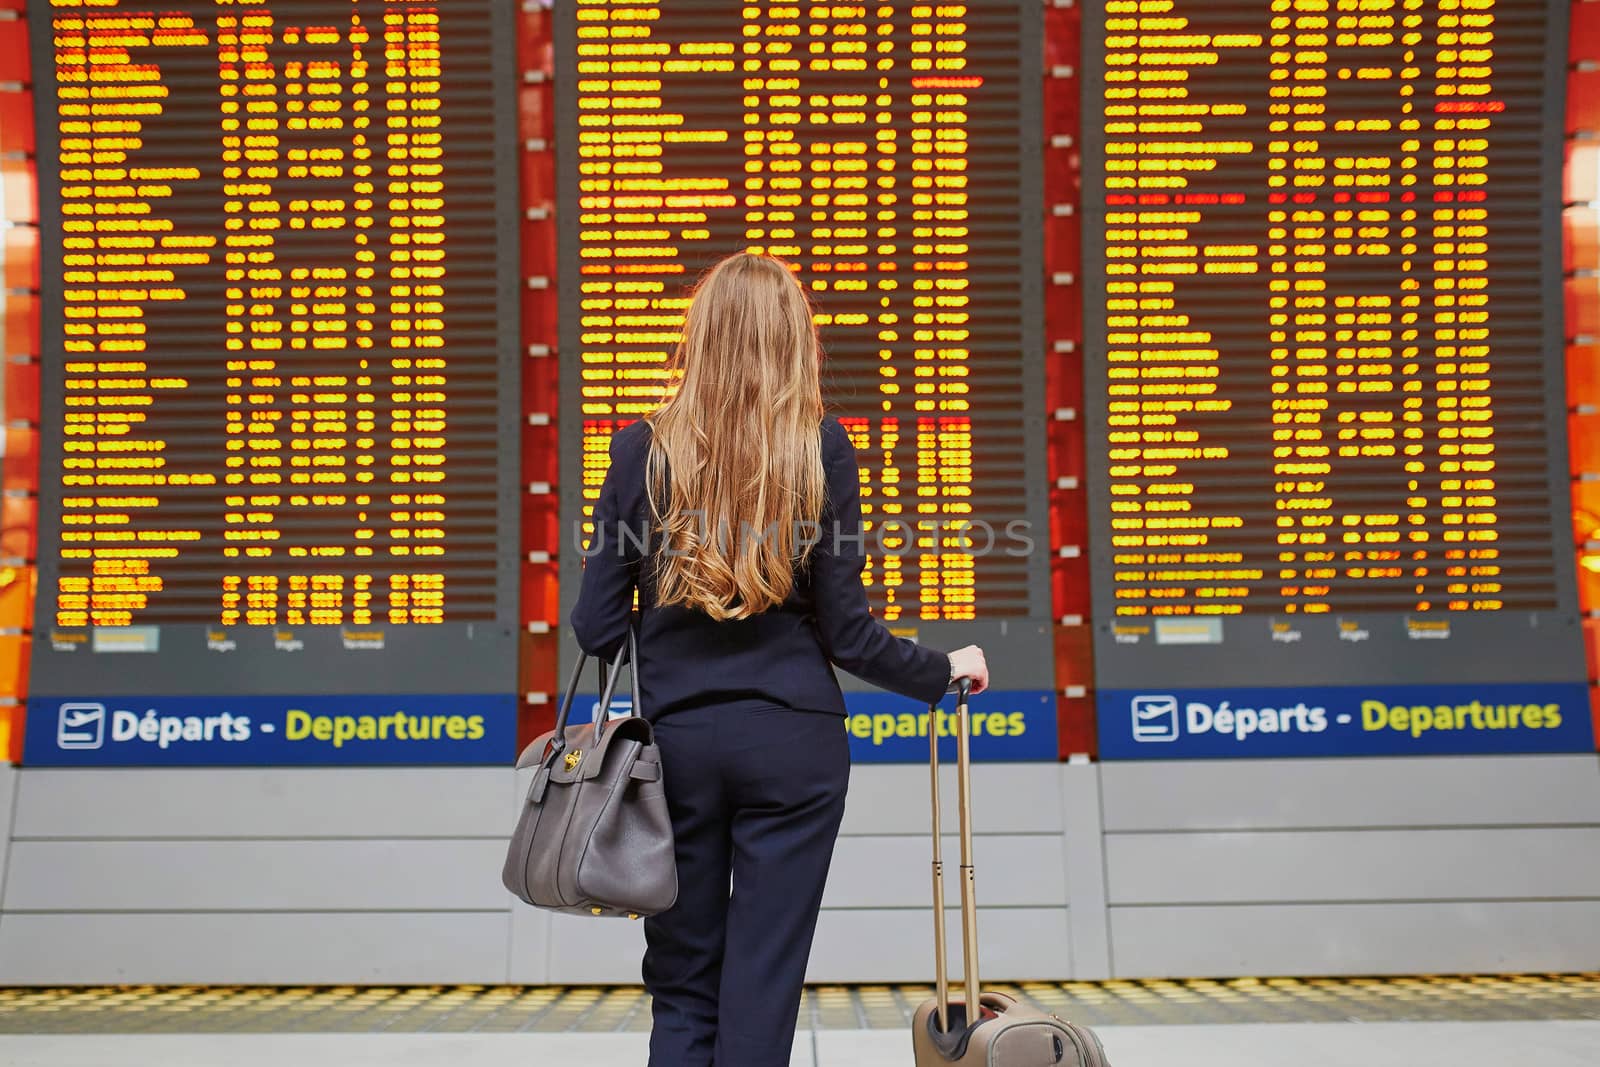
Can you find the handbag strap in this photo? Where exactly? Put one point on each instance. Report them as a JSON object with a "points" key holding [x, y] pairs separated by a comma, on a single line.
{"points": [[608, 674], [633, 671], [603, 718]]}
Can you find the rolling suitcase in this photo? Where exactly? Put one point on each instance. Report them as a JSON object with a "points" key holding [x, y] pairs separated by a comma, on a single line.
{"points": [[1006, 1032]]}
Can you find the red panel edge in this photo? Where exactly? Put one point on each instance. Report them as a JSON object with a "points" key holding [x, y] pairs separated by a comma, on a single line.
{"points": [[1582, 304], [18, 348], [539, 611], [1069, 525]]}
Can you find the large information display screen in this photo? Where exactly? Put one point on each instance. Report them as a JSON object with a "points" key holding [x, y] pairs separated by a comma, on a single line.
{"points": [[1323, 321], [889, 151], [278, 382]]}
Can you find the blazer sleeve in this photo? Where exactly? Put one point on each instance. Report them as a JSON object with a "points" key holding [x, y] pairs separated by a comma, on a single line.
{"points": [[851, 637], [601, 616]]}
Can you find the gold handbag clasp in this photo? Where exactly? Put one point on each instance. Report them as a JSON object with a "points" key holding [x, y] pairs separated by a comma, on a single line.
{"points": [[573, 758]]}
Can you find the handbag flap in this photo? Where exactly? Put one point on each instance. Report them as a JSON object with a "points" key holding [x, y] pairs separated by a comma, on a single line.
{"points": [[582, 758], [583, 764], [534, 753]]}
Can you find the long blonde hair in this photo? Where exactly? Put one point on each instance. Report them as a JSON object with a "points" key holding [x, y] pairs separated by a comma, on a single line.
{"points": [[735, 468]]}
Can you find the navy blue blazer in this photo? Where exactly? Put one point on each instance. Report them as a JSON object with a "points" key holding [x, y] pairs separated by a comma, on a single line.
{"points": [[781, 656]]}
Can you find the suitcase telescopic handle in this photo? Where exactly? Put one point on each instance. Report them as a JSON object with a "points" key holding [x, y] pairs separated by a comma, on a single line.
{"points": [[969, 933]]}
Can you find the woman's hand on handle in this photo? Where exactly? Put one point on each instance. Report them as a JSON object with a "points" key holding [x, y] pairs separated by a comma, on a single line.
{"points": [[969, 663]]}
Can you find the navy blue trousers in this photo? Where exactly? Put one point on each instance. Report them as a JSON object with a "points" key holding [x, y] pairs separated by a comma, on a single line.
{"points": [[756, 793]]}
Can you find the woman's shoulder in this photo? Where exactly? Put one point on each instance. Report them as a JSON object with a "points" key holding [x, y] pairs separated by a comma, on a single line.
{"points": [[637, 431], [839, 458], [835, 438], [632, 442]]}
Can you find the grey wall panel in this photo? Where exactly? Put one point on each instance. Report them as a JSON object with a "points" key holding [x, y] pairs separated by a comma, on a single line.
{"points": [[1007, 798], [595, 951], [896, 872], [1355, 939], [852, 945], [410, 890], [1351, 793], [294, 803], [876, 945], [286, 949], [528, 956], [1084, 848], [354, 875], [8, 793], [1353, 865], [529, 953]]}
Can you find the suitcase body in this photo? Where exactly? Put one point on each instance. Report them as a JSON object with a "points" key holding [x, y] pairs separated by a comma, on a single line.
{"points": [[1014, 1035], [1007, 1033]]}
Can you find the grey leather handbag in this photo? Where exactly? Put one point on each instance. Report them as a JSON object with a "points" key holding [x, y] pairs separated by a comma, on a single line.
{"points": [[594, 836]]}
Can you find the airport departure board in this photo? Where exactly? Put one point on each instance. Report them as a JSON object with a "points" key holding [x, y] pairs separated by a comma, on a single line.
{"points": [[279, 376], [1324, 339], [889, 152]]}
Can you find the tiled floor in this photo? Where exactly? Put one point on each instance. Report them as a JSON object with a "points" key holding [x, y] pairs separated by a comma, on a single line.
{"points": [[1519, 1020], [1419, 1044], [516, 1009]]}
